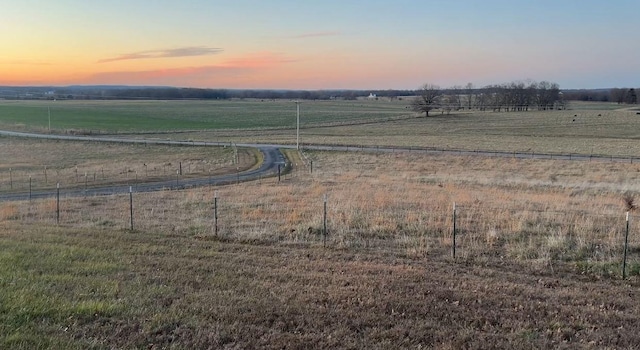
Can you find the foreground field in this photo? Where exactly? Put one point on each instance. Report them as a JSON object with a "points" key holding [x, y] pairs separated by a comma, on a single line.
{"points": [[538, 263], [98, 289]]}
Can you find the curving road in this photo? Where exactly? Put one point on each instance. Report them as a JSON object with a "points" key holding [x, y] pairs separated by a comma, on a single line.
{"points": [[272, 158]]}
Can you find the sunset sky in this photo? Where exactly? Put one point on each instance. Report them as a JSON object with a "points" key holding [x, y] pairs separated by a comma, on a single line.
{"points": [[330, 44]]}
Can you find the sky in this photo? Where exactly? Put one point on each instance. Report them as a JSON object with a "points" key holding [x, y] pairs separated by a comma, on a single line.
{"points": [[315, 45]]}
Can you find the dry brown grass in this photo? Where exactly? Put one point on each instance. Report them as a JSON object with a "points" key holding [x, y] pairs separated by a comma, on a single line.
{"points": [[77, 288], [594, 131], [542, 211], [536, 238], [73, 163]]}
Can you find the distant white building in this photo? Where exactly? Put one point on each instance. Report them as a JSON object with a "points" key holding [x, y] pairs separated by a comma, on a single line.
{"points": [[372, 96]]}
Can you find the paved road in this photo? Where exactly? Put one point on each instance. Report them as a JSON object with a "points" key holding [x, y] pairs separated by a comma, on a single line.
{"points": [[272, 158]]}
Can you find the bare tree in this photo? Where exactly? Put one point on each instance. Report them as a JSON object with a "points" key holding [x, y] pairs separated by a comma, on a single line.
{"points": [[454, 97], [519, 101], [618, 95], [481, 99], [470, 94], [631, 97], [446, 104], [548, 95], [427, 99], [494, 97]]}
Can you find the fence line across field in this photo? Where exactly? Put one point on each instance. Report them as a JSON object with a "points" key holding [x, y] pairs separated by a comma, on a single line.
{"points": [[19, 179], [85, 186], [467, 230], [80, 177]]}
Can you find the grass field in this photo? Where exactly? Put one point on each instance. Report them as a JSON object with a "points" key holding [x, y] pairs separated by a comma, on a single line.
{"points": [[545, 212], [66, 288], [141, 116], [538, 260], [49, 162], [587, 128]]}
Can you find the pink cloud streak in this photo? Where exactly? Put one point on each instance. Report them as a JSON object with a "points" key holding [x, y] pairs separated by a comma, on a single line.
{"points": [[234, 68], [167, 53]]}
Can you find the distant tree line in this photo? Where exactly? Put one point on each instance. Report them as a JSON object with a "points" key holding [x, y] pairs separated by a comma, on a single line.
{"points": [[514, 96], [618, 95], [190, 93], [170, 93], [621, 96]]}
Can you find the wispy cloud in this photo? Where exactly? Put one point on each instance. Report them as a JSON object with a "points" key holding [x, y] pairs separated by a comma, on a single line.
{"points": [[167, 53], [234, 68], [316, 34]]}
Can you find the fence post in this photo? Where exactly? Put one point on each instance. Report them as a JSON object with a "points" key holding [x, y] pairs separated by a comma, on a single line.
{"points": [[131, 206], [11, 178], [311, 166], [58, 203], [180, 168], [324, 222], [626, 245], [278, 172], [177, 179], [215, 212], [453, 245]]}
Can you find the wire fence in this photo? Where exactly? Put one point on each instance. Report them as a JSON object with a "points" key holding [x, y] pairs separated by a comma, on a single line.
{"points": [[20, 180], [46, 177], [594, 242]]}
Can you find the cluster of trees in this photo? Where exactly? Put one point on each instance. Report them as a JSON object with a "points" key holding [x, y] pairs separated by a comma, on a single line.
{"points": [[514, 96], [598, 95], [621, 96], [618, 95]]}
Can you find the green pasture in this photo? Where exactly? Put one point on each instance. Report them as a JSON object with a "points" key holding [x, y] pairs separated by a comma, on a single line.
{"points": [[585, 127], [135, 116]]}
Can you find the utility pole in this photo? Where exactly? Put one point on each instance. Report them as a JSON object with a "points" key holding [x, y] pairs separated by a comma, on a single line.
{"points": [[49, 112], [298, 125]]}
